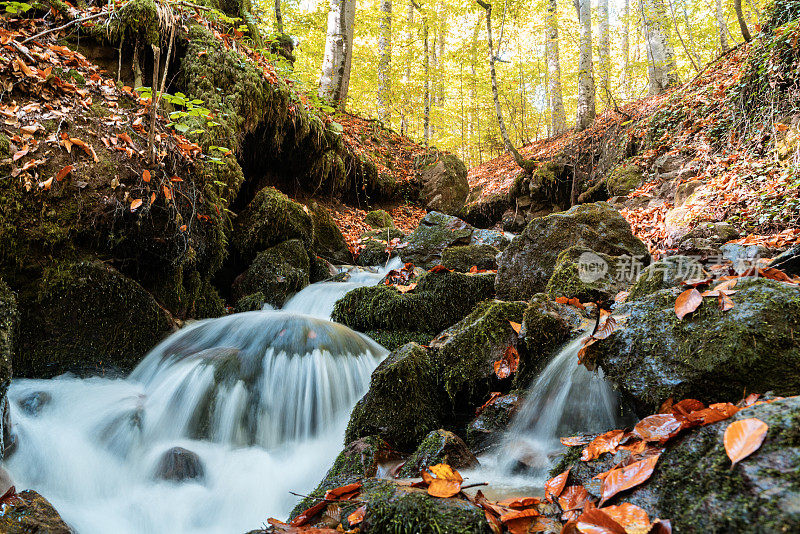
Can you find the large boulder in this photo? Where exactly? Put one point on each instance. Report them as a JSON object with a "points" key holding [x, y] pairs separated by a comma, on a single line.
{"points": [[436, 232], [401, 405], [710, 355], [374, 247], [269, 219], [29, 512], [444, 182], [439, 447], [495, 238], [589, 276], [464, 257], [697, 489], [490, 424], [178, 465], [86, 317], [328, 242], [665, 274], [379, 219], [526, 265], [277, 273], [439, 301]]}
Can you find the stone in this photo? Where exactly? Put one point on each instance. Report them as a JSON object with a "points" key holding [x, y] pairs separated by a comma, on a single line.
{"points": [[488, 428], [436, 232], [495, 238], [178, 465], [439, 447], [276, 273], [666, 273], [624, 178], [463, 258], [374, 244], [31, 512], [9, 321], [328, 242], [527, 264], [788, 262], [589, 276], [379, 219], [444, 182]]}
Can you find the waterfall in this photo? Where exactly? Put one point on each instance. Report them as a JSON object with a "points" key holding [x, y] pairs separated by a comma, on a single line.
{"points": [[261, 400]]}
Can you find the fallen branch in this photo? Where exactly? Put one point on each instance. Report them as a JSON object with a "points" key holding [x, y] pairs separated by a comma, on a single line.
{"points": [[67, 25]]}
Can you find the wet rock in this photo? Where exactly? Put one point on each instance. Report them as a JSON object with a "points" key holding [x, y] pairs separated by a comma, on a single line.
{"points": [[254, 302], [436, 232], [277, 273], [320, 269], [589, 276], [9, 319], [359, 460], [463, 258], [710, 355], [32, 404], [394, 339], [705, 240], [179, 465], [488, 428], [439, 301], [374, 245], [484, 211], [665, 274], [401, 405], [379, 219], [623, 179], [743, 257], [526, 265], [789, 261], [695, 487], [87, 317], [269, 219], [31, 512], [439, 447], [495, 238], [465, 353], [328, 242], [444, 181]]}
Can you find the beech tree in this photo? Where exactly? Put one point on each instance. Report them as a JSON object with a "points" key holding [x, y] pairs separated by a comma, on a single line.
{"points": [[335, 79], [385, 50], [557, 117], [586, 98], [661, 69]]}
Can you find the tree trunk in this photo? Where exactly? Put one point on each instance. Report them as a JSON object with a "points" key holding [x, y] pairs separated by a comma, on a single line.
{"points": [[604, 53], [586, 96], [335, 80], [626, 50], [557, 118], [723, 32], [527, 165], [278, 17], [426, 125], [737, 4], [385, 61], [407, 70], [661, 70]]}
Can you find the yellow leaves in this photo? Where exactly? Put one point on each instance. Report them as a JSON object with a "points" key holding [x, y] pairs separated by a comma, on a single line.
{"points": [[743, 438], [443, 481]]}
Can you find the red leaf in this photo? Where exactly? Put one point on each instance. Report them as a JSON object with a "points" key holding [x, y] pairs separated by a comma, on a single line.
{"points": [[508, 364], [554, 486], [440, 269], [64, 172], [743, 438], [687, 302], [146, 175], [596, 521], [573, 498], [659, 427], [358, 516], [602, 444]]}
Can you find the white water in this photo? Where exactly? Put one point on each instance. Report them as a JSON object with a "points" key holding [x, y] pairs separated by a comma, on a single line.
{"points": [[261, 397]]}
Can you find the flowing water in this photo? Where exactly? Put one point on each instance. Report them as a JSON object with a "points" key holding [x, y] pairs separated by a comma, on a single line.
{"points": [[262, 399]]}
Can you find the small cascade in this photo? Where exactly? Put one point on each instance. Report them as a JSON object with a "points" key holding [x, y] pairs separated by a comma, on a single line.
{"points": [[565, 399]]}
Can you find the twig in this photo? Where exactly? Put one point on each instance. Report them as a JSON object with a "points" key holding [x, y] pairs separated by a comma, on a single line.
{"points": [[67, 25], [326, 500], [187, 4], [22, 51], [475, 485]]}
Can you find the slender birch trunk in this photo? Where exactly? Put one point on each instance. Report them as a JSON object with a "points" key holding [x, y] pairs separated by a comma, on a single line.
{"points": [[626, 50], [737, 4], [335, 79], [604, 53], [661, 69], [385, 61], [723, 30], [586, 92], [558, 119]]}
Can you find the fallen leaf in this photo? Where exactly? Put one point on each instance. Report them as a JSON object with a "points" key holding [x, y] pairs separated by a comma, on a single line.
{"points": [[167, 192], [725, 302], [596, 521], [358, 516], [630, 517], [508, 364], [573, 498], [135, 203], [146, 175], [440, 269], [554, 486], [575, 441], [47, 184], [687, 302], [515, 326], [64, 172], [447, 482], [627, 477], [520, 503], [659, 427], [743, 438], [602, 444]]}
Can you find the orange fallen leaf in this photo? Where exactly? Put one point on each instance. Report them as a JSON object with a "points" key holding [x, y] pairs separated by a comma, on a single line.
{"points": [[135, 203], [508, 364], [447, 481], [554, 486], [687, 302], [439, 269], [659, 427], [573, 498], [629, 516], [627, 477], [146, 175], [596, 521], [602, 444], [358, 516], [725, 302], [743, 438], [167, 192], [515, 326], [64, 172]]}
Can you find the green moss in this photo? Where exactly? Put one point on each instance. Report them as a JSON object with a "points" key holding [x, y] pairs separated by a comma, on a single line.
{"points": [[545, 327], [276, 273], [379, 219], [269, 219], [30, 512], [328, 239], [136, 19], [394, 339], [573, 277], [374, 244], [401, 405], [665, 274], [463, 258], [438, 447], [436, 232], [439, 301], [624, 178], [571, 456]]}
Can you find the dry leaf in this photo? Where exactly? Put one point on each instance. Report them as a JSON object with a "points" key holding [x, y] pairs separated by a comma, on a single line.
{"points": [[135, 203], [447, 482], [743, 438], [64, 172], [628, 477], [515, 326], [358, 516], [146, 175], [687, 302]]}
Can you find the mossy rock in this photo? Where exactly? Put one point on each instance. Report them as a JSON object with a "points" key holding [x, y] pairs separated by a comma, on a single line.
{"points": [[9, 319], [589, 276], [254, 302], [30, 512], [277, 273], [328, 242], [495, 238], [401, 405], [320, 269], [623, 179], [464, 257], [394, 339], [439, 301], [488, 428], [360, 459], [788, 262], [269, 219], [444, 181], [374, 244], [86, 317], [379, 219], [695, 486], [710, 355], [465, 353], [665, 274], [438, 447], [526, 265], [137, 19], [436, 232]]}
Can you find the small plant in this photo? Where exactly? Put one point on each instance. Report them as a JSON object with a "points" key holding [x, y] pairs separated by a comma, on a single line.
{"points": [[181, 119], [15, 7]]}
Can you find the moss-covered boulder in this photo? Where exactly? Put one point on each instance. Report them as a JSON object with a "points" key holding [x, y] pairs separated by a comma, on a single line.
{"points": [[359, 460], [373, 246], [589, 276], [526, 265], [30, 512], [394, 339], [9, 319], [624, 178], [329, 243], [436, 232], [465, 353], [401, 405], [379, 219], [710, 355], [439, 301], [664, 274], [86, 317], [276, 273], [464, 257], [489, 426], [695, 486], [495, 238], [439, 447], [269, 219], [444, 181]]}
